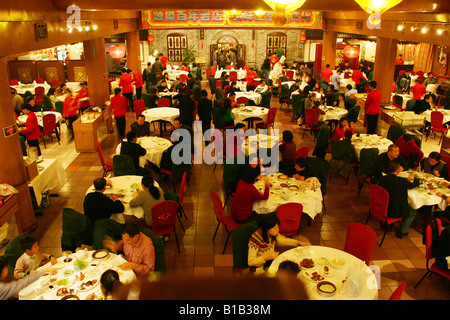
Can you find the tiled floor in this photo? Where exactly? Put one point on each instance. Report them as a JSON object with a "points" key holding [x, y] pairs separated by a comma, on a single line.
{"points": [[399, 260]]}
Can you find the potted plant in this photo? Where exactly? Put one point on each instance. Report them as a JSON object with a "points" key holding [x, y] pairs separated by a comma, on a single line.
{"points": [[279, 52], [189, 55]]}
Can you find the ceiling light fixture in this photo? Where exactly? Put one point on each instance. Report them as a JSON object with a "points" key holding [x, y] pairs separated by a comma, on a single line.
{"points": [[372, 6], [283, 10], [424, 29]]}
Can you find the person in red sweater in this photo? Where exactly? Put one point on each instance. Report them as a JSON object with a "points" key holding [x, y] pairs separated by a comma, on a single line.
{"points": [[246, 194], [163, 60], [70, 109], [138, 83], [372, 107], [125, 81], [83, 97], [342, 128], [326, 74], [409, 150], [31, 131], [119, 106], [287, 149], [418, 90], [357, 76], [251, 75]]}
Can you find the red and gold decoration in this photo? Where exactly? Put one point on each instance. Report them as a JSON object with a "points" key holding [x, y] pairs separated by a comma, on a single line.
{"points": [[351, 51], [117, 51]]}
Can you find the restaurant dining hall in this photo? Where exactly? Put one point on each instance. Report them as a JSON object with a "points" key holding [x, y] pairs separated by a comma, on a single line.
{"points": [[209, 151]]}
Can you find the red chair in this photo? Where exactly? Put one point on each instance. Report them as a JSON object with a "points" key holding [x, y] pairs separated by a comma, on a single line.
{"points": [[49, 127], [14, 82], [183, 77], [227, 221], [401, 72], [213, 71], [437, 121], [233, 76], [311, 122], [180, 210], [219, 84], [360, 241], [378, 207], [163, 103], [397, 294], [207, 73], [225, 90], [347, 75], [290, 215], [163, 218], [290, 75], [39, 94], [246, 68], [270, 120], [302, 153], [420, 75], [139, 106], [230, 67], [107, 166], [433, 269], [446, 159], [55, 83], [241, 100], [39, 80]]}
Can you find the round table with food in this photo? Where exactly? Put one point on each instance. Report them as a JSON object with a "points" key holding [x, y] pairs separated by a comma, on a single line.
{"points": [[76, 276], [125, 188], [425, 193], [332, 113], [241, 74], [249, 113], [21, 88], [252, 143], [161, 114], [330, 274], [284, 189], [155, 147], [250, 95], [174, 73], [364, 141]]}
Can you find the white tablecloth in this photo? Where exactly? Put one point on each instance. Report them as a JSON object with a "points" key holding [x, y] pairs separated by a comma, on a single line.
{"points": [[241, 74], [163, 113], [240, 114], [366, 279], [73, 86], [174, 73], [155, 147], [22, 88], [432, 87], [23, 118], [252, 143], [125, 186], [446, 113], [365, 141], [309, 195], [51, 176], [40, 290], [425, 194], [333, 113], [250, 95]]}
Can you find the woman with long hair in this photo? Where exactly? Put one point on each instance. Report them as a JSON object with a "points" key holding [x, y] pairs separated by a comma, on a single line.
{"points": [[110, 283], [147, 198], [261, 246]]}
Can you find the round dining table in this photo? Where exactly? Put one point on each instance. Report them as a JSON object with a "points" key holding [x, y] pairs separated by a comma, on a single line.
{"points": [[241, 74], [332, 113], [21, 88], [250, 95], [125, 188], [352, 278], [365, 141], [76, 277], [155, 147], [161, 115], [174, 73], [249, 114], [23, 118], [284, 189], [446, 113]]}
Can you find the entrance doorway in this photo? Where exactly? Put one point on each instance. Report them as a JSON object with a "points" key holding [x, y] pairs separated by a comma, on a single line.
{"points": [[227, 42]]}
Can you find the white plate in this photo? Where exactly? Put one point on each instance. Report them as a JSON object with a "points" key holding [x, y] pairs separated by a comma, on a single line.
{"points": [[307, 274], [337, 262], [67, 283], [88, 288]]}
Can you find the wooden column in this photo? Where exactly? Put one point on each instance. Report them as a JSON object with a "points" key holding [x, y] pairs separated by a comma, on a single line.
{"points": [[133, 51], [97, 71], [12, 170], [329, 49], [383, 72]]}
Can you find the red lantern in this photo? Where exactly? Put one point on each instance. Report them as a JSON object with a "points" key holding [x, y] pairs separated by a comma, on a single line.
{"points": [[303, 37], [150, 37], [117, 51], [351, 52]]}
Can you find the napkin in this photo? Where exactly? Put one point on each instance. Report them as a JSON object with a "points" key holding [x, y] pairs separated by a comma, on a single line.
{"points": [[351, 286]]}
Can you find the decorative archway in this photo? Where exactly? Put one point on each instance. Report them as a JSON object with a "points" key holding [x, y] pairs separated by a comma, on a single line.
{"points": [[226, 42]]}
